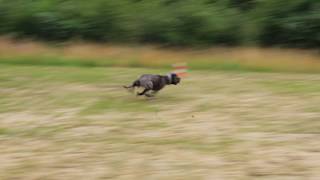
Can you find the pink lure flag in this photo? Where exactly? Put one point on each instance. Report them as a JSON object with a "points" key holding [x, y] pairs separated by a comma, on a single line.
{"points": [[181, 69]]}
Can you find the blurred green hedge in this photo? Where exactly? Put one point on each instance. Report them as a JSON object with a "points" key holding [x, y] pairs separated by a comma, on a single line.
{"points": [[290, 23]]}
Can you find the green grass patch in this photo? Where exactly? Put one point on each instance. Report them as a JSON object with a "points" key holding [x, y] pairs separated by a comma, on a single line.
{"points": [[196, 64], [53, 61], [4, 131], [76, 62]]}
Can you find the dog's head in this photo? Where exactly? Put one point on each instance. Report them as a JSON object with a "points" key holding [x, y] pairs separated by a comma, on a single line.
{"points": [[175, 79]]}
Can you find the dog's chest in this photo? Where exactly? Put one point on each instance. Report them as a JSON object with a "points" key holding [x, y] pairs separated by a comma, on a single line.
{"points": [[157, 85]]}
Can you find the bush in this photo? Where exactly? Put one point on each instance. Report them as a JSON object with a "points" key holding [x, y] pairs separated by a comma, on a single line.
{"points": [[294, 23]]}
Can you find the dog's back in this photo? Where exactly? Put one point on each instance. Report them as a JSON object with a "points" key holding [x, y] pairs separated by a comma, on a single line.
{"points": [[151, 81]]}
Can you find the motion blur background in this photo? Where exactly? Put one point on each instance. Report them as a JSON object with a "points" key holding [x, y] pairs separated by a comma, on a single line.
{"points": [[294, 23], [248, 109]]}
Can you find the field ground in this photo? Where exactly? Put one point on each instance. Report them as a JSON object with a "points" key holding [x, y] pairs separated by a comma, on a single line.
{"points": [[78, 123], [84, 54]]}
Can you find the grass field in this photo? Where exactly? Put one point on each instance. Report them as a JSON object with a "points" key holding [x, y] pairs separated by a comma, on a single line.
{"points": [[84, 54], [68, 122]]}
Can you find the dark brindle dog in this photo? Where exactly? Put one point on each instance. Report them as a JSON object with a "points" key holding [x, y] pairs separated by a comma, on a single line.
{"points": [[154, 83]]}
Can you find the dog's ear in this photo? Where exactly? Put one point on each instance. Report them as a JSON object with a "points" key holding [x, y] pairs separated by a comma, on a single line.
{"points": [[174, 75]]}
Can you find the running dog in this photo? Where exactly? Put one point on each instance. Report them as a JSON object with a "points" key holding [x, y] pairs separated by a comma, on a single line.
{"points": [[154, 83]]}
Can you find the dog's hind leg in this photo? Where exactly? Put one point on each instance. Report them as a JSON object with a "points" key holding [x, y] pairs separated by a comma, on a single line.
{"points": [[128, 87], [134, 84], [143, 92], [152, 94]]}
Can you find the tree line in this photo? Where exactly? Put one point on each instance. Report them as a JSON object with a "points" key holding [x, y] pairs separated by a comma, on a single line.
{"points": [[288, 23]]}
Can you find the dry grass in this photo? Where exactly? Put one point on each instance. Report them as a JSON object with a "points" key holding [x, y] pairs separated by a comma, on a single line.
{"points": [[77, 122], [257, 59]]}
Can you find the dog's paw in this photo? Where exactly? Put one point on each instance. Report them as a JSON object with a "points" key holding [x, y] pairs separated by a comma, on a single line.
{"points": [[149, 95]]}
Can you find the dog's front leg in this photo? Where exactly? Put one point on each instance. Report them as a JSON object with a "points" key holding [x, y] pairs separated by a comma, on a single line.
{"points": [[143, 92], [152, 94]]}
